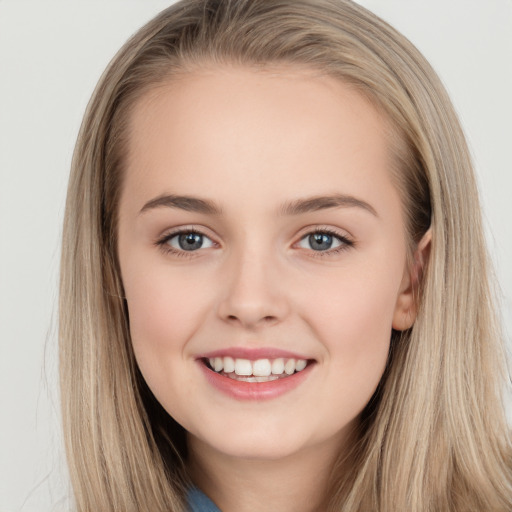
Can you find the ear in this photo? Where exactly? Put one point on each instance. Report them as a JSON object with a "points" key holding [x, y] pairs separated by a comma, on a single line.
{"points": [[406, 307]]}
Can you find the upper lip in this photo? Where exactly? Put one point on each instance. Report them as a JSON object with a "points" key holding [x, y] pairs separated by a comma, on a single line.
{"points": [[253, 354]]}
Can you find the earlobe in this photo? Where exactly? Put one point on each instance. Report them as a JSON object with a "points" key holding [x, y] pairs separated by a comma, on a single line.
{"points": [[407, 301]]}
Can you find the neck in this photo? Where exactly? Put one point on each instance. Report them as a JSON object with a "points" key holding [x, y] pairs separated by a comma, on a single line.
{"points": [[295, 483]]}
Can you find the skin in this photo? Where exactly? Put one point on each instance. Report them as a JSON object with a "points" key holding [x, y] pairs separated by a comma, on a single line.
{"points": [[251, 141]]}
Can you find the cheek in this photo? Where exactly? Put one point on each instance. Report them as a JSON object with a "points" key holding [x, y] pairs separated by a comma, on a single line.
{"points": [[159, 310], [164, 310], [164, 301], [354, 322], [359, 304]]}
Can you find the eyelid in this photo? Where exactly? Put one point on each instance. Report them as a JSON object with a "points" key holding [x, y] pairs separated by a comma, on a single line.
{"points": [[347, 241], [169, 234], [186, 228], [325, 228]]}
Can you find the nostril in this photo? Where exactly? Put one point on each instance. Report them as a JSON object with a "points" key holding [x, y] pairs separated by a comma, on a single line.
{"points": [[249, 317]]}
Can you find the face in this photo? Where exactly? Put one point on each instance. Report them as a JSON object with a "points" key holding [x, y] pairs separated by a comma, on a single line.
{"points": [[263, 254]]}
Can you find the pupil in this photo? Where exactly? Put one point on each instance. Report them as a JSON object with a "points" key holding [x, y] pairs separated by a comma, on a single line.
{"points": [[190, 241], [320, 241]]}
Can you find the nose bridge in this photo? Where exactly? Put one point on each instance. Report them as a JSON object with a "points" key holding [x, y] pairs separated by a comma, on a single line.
{"points": [[252, 294]]}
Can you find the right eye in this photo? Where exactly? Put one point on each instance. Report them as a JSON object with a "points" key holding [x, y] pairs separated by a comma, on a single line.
{"points": [[185, 241]]}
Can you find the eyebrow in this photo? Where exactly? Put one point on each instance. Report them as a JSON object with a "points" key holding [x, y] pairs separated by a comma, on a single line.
{"points": [[296, 207], [188, 203], [317, 203]]}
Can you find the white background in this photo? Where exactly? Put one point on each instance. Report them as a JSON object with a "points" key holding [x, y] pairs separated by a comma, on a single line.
{"points": [[51, 55]]}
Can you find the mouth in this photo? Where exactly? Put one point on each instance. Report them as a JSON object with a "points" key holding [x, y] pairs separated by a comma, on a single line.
{"points": [[257, 378], [259, 370]]}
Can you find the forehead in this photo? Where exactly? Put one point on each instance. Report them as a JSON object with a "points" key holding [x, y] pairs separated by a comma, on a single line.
{"points": [[281, 129]]}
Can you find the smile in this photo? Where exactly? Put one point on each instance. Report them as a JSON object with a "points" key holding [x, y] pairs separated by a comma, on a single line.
{"points": [[248, 375], [261, 370]]}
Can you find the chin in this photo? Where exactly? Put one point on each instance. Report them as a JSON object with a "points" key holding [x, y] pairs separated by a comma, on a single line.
{"points": [[256, 442], [257, 449]]}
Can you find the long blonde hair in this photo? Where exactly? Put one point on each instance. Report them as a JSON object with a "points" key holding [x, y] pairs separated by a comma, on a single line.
{"points": [[434, 436]]}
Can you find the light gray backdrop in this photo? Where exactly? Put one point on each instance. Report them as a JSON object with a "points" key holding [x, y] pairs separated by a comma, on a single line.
{"points": [[51, 55]]}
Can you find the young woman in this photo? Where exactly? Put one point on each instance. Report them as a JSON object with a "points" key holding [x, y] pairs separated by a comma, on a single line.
{"points": [[275, 293]]}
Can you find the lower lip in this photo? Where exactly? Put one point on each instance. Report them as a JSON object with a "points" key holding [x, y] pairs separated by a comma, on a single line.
{"points": [[242, 390]]}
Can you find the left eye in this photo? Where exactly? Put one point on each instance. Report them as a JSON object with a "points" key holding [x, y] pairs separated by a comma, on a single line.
{"points": [[321, 241], [189, 241]]}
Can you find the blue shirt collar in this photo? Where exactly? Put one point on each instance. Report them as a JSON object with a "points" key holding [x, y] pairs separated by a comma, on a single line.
{"points": [[199, 502]]}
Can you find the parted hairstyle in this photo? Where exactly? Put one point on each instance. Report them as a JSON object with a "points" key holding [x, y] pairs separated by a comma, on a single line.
{"points": [[434, 436]]}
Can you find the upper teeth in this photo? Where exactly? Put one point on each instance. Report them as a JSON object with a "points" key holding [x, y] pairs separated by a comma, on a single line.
{"points": [[258, 368]]}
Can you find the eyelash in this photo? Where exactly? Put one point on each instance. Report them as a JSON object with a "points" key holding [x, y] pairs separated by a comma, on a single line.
{"points": [[346, 243], [162, 243]]}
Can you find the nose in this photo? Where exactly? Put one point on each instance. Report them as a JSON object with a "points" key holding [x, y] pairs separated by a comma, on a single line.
{"points": [[253, 295]]}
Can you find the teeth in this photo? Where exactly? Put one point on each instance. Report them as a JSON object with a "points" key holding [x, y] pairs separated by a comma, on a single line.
{"points": [[253, 379], [261, 370], [289, 367], [219, 364], [300, 364], [278, 366], [229, 364], [243, 367]]}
